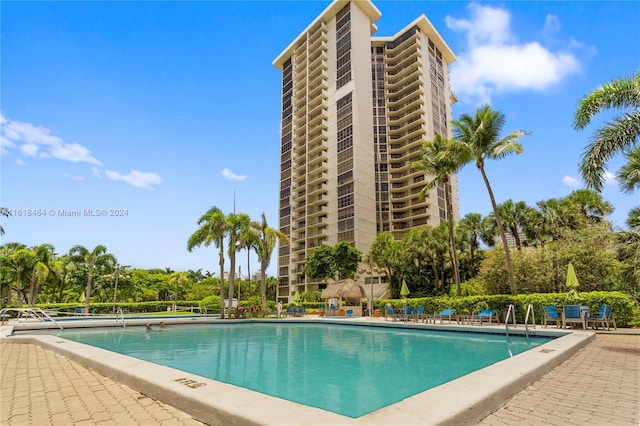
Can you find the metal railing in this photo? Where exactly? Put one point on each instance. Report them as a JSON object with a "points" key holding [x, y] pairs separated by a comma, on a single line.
{"points": [[29, 313], [120, 316]]}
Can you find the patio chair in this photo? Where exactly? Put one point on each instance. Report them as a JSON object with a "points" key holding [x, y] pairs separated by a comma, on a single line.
{"points": [[407, 313], [573, 314], [419, 313], [487, 315], [550, 314], [388, 310], [604, 316], [449, 314]]}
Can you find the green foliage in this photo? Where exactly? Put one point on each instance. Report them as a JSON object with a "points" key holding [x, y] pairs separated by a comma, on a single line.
{"points": [[210, 303], [337, 262], [311, 296]]}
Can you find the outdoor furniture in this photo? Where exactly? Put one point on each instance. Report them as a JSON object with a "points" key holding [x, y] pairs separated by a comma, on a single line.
{"points": [[407, 313], [349, 312], [550, 314], [389, 313], [487, 315], [419, 313], [449, 314], [604, 316], [574, 314]]}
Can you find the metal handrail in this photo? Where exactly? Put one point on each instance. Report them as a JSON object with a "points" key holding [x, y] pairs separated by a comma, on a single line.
{"points": [[33, 312], [511, 311], [120, 314], [526, 319]]}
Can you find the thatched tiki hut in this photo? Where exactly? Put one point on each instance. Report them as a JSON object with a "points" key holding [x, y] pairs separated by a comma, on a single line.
{"points": [[348, 290]]}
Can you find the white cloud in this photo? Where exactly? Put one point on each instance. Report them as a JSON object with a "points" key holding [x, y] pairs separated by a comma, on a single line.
{"points": [[609, 178], [72, 177], [30, 139], [228, 174], [570, 181], [96, 172], [136, 178], [21, 162], [495, 62]]}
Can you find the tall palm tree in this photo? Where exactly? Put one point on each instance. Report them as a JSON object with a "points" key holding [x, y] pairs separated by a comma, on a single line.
{"points": [[629, 174], [437, 160], [177, 278], [237, 225], [478, 139], [622, 133], [213, 228], [91, 260], [266, 240]]}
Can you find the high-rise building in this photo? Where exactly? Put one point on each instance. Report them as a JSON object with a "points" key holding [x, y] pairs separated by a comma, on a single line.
{"points": [[355, 111]]}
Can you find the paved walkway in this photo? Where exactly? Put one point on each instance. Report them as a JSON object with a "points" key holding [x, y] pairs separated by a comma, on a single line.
{"points": [[598, 385]]}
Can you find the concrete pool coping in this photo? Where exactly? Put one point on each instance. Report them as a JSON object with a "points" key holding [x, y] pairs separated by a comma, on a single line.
{"points": [[461, 401]]}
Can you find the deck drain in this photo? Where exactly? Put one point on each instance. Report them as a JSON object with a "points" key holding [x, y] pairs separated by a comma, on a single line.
{"points": [[546, 351]]}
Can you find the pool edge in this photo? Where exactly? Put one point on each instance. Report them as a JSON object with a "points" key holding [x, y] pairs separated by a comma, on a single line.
{"points": [[461, 401]]}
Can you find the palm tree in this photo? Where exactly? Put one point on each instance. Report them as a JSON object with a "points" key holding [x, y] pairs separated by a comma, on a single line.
{"points": [[478, 139], [43, 257], [439, 161], [6, 213], [16, 266], [622, 133], [514, 217], [590, 204], [177, 278], [237, 225], [266, 240], [91, 260], [473, 228], [629, 174], [213, 228]]}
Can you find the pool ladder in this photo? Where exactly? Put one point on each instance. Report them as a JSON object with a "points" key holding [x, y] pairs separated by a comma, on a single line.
{"points": [[120, 316], [29, 313], [511, 313]]}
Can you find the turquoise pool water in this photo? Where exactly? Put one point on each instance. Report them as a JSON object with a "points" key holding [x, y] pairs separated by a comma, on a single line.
{"points": [[350, 370]]}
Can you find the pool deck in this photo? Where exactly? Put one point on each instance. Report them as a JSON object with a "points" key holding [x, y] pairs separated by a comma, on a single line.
{"points": [[599, 384]]}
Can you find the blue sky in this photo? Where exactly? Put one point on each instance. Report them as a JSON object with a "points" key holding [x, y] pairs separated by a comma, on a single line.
{"points": [[158, 110]]}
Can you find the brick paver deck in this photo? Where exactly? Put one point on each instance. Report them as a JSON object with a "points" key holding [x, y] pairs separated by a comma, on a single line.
{"points": [[599, 385], [40, 387]]}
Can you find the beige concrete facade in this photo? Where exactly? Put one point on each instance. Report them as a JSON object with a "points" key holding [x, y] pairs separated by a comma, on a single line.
{"points": [[355, 111]]}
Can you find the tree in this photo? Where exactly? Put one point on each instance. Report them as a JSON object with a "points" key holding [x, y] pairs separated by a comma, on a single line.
{"points": [[16, 266], [40, 268], [629, 174], [177, 278], [91, 260], [437, 160], [390, 256], [514, 217], [590, 205], [473, 228], [213, 228], [266, 239], [478, 139], [622, 133], [6, 213], [237, 226], [319, 264]]}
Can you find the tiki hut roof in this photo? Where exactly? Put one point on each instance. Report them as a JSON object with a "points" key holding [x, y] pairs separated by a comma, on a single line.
{"points": [[343, 289]]}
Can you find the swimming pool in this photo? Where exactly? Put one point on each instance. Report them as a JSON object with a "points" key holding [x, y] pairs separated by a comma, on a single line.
{"points": [[347, 369]]}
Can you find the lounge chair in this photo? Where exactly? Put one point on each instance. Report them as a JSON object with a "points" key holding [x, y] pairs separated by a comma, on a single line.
{"points": [[408, 313], [550, 314], [574, 314], [487, 315], [604, 316], [449, 314]]}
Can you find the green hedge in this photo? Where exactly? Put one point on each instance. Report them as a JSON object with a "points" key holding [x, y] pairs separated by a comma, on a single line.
{"points": [[107, 308]]}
